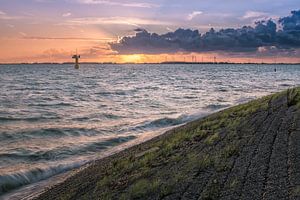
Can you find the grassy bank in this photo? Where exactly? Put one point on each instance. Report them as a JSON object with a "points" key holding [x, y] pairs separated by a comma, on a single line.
{"points": [[250, 151]]}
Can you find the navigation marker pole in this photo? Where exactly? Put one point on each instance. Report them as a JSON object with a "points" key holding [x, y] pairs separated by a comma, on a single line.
{"points": [[76, 57]]}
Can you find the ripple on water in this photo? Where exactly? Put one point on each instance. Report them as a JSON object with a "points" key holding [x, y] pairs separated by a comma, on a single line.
{"points": [[64, 151], [50, 113]]}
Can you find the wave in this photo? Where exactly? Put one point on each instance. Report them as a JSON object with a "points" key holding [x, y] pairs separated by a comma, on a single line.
{"points": [[65, 151], [165, 122], [190, 97], [217, 106], [15, 180], [48, 132], [29, 119], [50, 104], [285, 85], [94, 117], [111, 93], [9, 182], [222, 89]]}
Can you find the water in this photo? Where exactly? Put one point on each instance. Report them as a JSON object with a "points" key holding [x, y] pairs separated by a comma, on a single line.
{"points": [[54, 118]]}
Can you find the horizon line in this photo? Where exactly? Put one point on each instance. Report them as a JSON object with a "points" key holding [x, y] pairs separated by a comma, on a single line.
{"points": [[136, 63]]}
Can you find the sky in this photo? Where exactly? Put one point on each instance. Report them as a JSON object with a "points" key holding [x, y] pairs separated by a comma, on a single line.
{"points": [[149, 31]]}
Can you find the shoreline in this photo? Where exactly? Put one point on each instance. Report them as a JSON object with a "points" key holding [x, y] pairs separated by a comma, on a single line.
{"points": [[109, 156], [50, 182], [33, 190], [138, 149], [145, 170]]}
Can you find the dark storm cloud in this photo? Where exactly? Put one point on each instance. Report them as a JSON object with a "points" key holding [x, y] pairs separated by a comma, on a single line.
{"points": [[139, 30], [245, 39], [289, 36]]}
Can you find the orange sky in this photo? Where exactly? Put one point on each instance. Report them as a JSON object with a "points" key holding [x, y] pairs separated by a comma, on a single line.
{"points": [[42, 49], [51, 31], [18, 50]]}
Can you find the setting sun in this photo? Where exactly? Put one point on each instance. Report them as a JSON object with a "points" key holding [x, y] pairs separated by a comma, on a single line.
{"points": [[134, 58], [149, 99]]}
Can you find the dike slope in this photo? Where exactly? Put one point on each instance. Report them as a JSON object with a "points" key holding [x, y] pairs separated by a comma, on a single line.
{"points": [[250, 151]]}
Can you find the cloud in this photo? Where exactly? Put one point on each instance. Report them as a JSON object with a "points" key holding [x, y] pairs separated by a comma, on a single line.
{"points": [[289, 36], [144, 42], [64, 38], [254, 14], [245, 39], [169, 29], [11, 25], [68, 14], [139, 30], [95, 51], [115, 3], [193, 15], [23, 34], [5, 16], [114, 20]]}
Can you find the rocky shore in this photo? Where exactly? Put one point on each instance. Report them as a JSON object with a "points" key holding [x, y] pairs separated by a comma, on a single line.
{"points": [[250, 151]]}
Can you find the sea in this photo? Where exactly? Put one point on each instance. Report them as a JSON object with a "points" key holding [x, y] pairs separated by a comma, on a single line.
{"points": [[54, 118]]}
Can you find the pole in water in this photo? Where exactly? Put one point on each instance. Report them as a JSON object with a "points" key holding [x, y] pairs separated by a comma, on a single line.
{"points": [[76, 57]]}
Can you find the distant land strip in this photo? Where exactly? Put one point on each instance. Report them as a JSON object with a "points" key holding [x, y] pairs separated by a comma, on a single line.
{"points": [[154, 63]]}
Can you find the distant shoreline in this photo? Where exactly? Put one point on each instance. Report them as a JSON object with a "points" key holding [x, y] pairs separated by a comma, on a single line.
{"points": [[161, 63]]}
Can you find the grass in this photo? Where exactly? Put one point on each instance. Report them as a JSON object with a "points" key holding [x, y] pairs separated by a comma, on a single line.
{"points": [[157, 173], [103, 182], [230, 150], [234, 183], [296, 191], [142, 187], [165, 190], [207, 131], [293, 97], [199, 162], [212, 192], [147, 159], [212, 139]]}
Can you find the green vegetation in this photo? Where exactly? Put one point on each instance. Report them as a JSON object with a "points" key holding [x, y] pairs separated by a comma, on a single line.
{"points": [[296, 191], [208, 131], [230, 150], [234, 183], [142, 187], [212, 191], [206, 146], [199, 163], [293, 97], [212, 139]]}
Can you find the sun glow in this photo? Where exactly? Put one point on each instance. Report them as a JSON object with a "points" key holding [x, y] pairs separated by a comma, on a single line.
{"points": [[134, 58]]}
